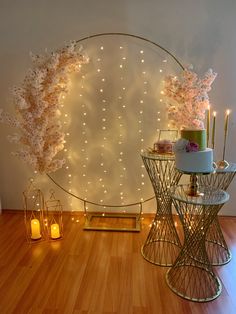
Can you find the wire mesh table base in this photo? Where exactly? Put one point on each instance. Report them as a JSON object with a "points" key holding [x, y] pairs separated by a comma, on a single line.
{"points": [[191, 275], [216, 246], [162, 245]]}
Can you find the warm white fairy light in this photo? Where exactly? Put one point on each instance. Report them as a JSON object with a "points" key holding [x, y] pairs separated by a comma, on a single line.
{"points": [[104, 141]]}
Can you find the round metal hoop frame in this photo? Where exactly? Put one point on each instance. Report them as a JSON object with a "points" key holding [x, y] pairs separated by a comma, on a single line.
{"points": [[85, 201]]}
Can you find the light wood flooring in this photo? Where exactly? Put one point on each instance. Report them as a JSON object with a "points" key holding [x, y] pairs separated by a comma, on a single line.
{"points": [[93, 272]]}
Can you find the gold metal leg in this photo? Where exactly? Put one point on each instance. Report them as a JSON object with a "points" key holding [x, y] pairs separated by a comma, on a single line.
{"points": [[162, 245], [192, 276], [217, 249]]}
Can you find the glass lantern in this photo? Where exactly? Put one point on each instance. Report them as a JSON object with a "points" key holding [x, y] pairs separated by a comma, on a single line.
{"points": [[34, 214], [55, 223]]}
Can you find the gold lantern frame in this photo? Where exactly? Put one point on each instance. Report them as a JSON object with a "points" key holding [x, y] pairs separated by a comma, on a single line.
{"points": [[54, 210], [35, 215]]}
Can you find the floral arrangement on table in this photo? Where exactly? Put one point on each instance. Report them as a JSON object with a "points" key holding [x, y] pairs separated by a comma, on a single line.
{"points": [[188, 99], [163, 147], [37, 105], [183, 145]]}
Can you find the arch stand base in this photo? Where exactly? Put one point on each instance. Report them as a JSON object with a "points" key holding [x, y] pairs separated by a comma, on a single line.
{"points": [[124, 222]]}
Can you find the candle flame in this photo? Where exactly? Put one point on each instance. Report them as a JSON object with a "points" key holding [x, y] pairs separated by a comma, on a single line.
{"points": [[227, 112], [209, 107], [214, 113]]}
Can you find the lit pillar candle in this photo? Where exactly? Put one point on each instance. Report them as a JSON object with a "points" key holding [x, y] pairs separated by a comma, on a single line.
{"points": [[55, 231], [35, 229], [213, 130]]}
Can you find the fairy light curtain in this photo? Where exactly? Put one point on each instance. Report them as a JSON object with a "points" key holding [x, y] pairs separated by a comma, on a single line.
{"points": [[113, 112]]}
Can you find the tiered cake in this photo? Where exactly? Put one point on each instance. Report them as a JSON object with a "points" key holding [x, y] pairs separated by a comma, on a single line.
{"points": [[191, 153]]}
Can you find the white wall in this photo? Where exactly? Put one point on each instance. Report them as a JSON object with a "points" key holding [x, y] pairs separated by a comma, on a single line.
{"points": [[200, 32]]}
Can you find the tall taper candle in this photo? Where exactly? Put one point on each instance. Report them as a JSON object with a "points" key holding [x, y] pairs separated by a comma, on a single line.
{"points": [[208, 124], [213, 130], [226, 130]]}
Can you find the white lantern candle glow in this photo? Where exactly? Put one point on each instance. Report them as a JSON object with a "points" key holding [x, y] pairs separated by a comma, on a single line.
{"points": [[35, 229], [55, 231]]}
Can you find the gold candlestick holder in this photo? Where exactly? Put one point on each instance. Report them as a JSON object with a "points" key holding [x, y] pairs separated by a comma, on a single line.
{"points": [[223, 164]]}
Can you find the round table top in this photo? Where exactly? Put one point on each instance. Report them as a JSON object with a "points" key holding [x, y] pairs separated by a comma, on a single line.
{"points": [[210, 195], [156, 156]]}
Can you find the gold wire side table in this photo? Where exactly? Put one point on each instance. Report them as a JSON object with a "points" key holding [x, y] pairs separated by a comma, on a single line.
{"points": [[162, 245], [217, 249], [191, 275]]}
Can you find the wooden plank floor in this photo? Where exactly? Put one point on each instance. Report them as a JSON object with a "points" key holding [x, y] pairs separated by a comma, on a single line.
{"points": [[91, 272]]}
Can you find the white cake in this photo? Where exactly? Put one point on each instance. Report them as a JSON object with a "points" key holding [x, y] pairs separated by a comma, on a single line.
{"points": [[195, 162], [191, 154]]}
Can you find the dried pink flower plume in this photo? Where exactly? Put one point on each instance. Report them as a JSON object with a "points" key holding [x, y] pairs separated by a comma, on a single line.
{"points": [[37, 102], [188, 99]]}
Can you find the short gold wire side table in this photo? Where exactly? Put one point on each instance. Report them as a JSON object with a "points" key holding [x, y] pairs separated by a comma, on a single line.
{"points": [[217, 249], [162, 245], [191, 275]]}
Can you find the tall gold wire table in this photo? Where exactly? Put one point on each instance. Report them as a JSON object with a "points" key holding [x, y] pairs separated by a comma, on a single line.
{"points": [[191, 275], [162, 245], [217, 249]]}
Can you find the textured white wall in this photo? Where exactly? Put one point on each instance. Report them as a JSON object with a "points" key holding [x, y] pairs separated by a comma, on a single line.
{"points": [[201, 33]]}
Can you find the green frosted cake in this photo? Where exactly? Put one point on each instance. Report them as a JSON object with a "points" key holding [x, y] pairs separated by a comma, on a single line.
{"points": [[192, 158], [196, 136]]}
